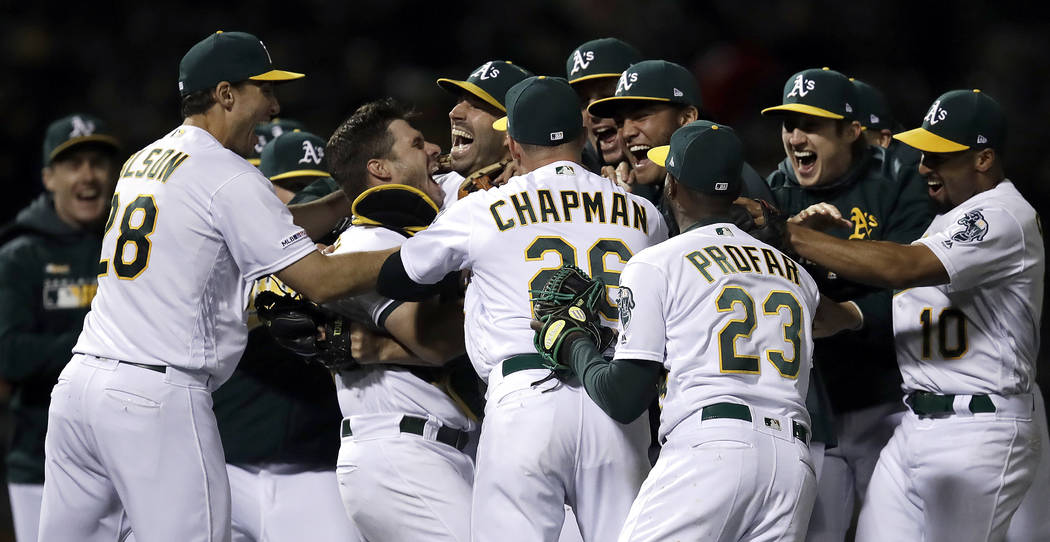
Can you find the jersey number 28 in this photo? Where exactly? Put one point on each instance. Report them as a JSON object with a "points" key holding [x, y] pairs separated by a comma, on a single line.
{"points": [[136, 225]]}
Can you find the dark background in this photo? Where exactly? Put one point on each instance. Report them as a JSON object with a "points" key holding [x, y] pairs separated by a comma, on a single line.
{"points": [[120, 62]]}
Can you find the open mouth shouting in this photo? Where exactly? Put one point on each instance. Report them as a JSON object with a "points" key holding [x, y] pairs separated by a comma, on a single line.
{"points": [[461, 142], [934, 185], [606, 137], [805, 163], [639, 153]]}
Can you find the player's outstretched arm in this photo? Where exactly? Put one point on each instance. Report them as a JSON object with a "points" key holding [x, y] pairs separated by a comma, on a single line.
{"points": [[433, 331], [323, 278], [623, 388], [879, 263]]}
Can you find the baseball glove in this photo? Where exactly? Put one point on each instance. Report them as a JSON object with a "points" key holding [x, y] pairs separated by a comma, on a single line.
{"points": [[306, 329], [567, 303], [482, 179], [769, 227]]}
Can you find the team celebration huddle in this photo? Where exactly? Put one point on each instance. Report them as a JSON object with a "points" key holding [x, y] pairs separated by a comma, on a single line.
{"points": [[590, 319]]}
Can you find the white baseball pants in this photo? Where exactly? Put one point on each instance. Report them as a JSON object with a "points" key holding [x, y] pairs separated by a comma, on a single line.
{"points": [[726, 480], [402, 486], [957, 478], [285, 502], [122, 438], [547, 445]]}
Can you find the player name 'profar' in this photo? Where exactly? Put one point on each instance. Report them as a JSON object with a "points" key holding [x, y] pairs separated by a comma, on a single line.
{"points": [[545, 206], [730, 259]]}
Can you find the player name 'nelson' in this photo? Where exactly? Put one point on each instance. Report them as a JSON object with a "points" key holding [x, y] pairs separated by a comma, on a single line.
{"points": [[566, 206], [732, 259], [157, 164]]}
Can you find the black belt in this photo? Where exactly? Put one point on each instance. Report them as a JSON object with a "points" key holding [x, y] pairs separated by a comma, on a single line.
{"points": [[157, 368], [737, 411], [523, 362], [925, 403], [414, 425]]}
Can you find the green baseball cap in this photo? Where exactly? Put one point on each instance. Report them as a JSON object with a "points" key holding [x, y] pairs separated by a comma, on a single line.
{"points": [[818, 92], [959, 120], [293, 154], [489, 81], [873, 111], [542, 111], [650, 80], [600, 58], [228, 56], [76, 129], [266, 132], [704, 156]]}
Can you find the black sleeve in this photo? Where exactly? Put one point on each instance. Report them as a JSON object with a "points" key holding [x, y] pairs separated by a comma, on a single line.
{"points": [[394, 282], [623, 388]]}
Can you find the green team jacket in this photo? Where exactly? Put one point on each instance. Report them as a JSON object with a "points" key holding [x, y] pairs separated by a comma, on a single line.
{"points": [[47, 280], [886, 200]]}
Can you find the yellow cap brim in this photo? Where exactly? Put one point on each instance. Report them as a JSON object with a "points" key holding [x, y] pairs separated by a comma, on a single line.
{"points": [[804, 109], [611, 99], [500, 124], [658, 155], [255, 161], [277, 75], [927, 141], [301, 173], [98, 138], [473, 89], [594, 76]]}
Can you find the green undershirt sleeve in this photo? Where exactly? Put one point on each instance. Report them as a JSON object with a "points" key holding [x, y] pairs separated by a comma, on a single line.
{"points": [[623, 388]]}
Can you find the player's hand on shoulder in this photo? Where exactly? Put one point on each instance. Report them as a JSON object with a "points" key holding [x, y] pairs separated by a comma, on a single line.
{"points": [[820, 216], [509, 170]]}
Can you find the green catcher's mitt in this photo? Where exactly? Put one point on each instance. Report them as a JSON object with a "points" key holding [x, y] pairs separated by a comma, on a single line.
{"points": [[568, 303]]}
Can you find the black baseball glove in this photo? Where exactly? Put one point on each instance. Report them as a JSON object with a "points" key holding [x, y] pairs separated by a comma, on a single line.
{"points": [[567, 303], [770, 226], [306, 329]]}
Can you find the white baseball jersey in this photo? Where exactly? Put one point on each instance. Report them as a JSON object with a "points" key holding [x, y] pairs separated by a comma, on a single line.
{"points": [[980, 332], [449, 183], [192, 225], [514, 237], [386, 389], [727, 315]]}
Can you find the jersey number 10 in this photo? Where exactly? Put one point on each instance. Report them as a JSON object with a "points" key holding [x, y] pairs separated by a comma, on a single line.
{"points": [[136, 225]]}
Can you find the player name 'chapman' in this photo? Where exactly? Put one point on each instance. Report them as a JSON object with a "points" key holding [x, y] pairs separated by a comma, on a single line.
{"points": [[588, 206], [742, 259]]}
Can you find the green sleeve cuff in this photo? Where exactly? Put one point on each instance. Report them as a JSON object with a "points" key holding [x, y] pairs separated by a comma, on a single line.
{"points": [[623, 388]]}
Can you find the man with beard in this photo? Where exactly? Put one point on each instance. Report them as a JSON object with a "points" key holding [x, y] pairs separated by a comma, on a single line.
{"points": [[478, 151]]}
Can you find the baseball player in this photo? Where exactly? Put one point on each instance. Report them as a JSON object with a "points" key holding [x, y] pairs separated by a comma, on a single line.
{"points": [[402, 472], [828, 160], [593, 69], [478, 150], [275, 415], [47, 279], [965, 320], [266, 132], [653, 99], [513, 238], [877, 121], [735, 463], [192, 223]]}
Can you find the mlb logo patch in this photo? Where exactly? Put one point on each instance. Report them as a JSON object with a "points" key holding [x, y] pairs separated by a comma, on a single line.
{"points": [[557, 136], [564, 170], [721, 187]]}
